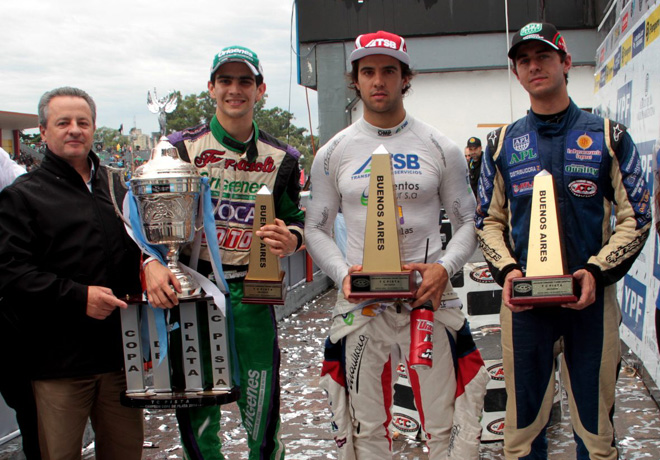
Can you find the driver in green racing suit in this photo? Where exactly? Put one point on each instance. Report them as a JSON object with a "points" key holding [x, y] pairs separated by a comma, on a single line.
{"points": [[248, 158]]}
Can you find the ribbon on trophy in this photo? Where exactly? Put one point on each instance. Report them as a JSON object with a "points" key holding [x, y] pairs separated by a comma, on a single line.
{"points": [[219, 290]]}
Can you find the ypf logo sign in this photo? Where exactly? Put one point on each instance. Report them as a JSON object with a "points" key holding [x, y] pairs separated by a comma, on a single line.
{"points": [[623, 104], [633, 305]]}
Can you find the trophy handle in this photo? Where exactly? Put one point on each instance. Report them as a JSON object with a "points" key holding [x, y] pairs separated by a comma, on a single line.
{"points": [[111, 186], [217, 205]]}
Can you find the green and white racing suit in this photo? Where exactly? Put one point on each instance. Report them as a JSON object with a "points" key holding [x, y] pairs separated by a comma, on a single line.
{"points": [[244, 169]]}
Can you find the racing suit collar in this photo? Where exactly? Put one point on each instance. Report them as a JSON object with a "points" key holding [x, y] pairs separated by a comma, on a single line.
{"points": [[222, 136], [549, 128], [387, 132]]}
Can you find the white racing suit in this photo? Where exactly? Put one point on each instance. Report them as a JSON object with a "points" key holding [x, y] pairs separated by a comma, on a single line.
{"points": [[359, 370], [366, 341]]}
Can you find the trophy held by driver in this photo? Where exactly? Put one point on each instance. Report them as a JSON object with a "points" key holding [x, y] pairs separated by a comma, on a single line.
{"points": [[545, 282], [163, 205], [264, 283], [381, 276]]}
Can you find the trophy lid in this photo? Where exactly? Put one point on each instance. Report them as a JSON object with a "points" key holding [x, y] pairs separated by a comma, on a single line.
{"points": [[165, 162]]}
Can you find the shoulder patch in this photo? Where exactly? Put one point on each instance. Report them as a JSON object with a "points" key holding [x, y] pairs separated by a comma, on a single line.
{"points": [[494, 138], [190, 134], [271, 140], [616, 132]]}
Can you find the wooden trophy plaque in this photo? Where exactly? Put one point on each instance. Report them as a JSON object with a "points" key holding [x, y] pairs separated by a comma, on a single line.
{"points": [[264, 283], [546, 282], [381, 275]]}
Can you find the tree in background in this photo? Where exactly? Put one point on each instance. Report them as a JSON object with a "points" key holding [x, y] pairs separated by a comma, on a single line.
{"points": [[110, 137], [29, 139], [193, 110]]}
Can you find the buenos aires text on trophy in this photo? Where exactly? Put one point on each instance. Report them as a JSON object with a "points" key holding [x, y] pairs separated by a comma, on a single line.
{"points": [[264, 283], [381, 275], [545, 282]]}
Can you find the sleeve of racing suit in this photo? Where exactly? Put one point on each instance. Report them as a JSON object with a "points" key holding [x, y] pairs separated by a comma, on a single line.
{"points": [[321, 210], [288, 204], [492, 216], [632, 209], [458, 200], [177, 141]]}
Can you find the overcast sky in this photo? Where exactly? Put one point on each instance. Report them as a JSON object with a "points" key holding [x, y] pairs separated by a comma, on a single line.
{"points": [[117, 51]]}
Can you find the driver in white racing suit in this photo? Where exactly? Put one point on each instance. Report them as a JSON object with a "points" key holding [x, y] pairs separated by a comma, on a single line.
{"points": [[367, 339]]}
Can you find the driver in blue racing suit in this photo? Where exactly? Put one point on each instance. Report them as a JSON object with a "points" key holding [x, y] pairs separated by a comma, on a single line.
{"points": [[597, 171]]}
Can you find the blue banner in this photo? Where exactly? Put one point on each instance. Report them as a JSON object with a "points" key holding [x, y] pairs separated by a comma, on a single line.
{"points": [[633, 305]]}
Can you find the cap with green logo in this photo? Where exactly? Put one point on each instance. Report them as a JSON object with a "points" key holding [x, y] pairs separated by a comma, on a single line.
{"points": [[237, 54], [541, 31]]}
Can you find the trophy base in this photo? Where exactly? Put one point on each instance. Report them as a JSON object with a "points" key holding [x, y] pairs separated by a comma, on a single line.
{"points": [[190, 293], [382, 285], [265, 292], [175, 400], [190, 288], [544, 291]]}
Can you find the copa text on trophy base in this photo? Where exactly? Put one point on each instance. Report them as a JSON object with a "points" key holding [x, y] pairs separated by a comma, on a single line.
{"points": [[264, 283], [546, 282], [381, 275]]}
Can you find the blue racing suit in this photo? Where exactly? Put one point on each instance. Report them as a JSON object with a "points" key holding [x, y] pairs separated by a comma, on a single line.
{"points": [[596, 170]]}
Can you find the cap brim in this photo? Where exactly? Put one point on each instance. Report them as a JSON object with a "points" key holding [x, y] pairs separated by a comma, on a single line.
{"points": [[512, 50], [252, 68], [362, 52]]}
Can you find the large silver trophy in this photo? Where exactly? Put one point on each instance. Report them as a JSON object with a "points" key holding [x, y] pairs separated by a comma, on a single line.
{"points": [[167, 191]]}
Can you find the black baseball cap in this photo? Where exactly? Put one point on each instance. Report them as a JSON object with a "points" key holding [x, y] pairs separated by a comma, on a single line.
{"points": [[474, 142], [541, 31]]}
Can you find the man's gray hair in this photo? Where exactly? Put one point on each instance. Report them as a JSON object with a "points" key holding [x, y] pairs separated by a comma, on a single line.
{"points": [[63, 91]]}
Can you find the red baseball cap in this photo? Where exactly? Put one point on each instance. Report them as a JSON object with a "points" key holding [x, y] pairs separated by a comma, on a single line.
{"points": [[381, 42]]}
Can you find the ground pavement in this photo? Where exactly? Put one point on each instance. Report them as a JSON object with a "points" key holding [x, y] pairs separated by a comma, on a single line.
{"points": [[305, 415]]}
